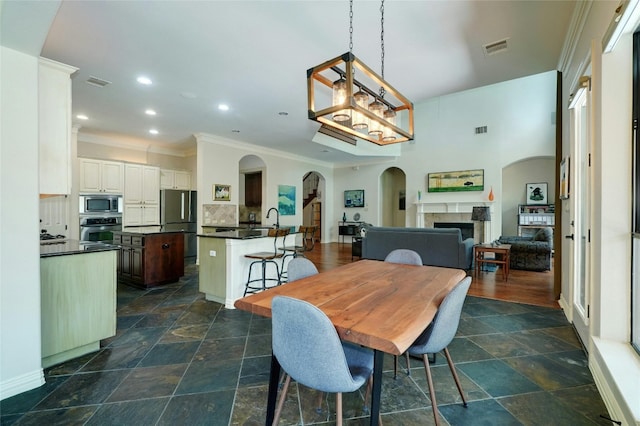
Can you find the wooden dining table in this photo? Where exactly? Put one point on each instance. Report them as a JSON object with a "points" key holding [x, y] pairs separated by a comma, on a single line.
{"points": [[381, 305]]}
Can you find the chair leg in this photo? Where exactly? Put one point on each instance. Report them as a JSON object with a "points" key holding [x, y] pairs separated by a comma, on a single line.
{"points": [[319, 406], [432, 392], [452, 367], [408, 364], [283, 396], [339, 409]]}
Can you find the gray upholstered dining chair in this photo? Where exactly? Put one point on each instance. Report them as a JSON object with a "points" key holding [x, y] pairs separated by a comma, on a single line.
{"points": [[307, 346], [405, 256], [300, 267], [408, 257], [439, 334]]}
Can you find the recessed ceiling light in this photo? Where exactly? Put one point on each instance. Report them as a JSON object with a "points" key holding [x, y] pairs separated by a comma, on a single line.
{"points": [[82, 117], [223, 107], [153, 131], [144, 80], [150, 112]]}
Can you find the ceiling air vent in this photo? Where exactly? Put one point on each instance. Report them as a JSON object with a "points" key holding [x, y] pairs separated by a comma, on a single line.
{"points": [[95, 81], [481, 130], [334, 133], [496, 47]]}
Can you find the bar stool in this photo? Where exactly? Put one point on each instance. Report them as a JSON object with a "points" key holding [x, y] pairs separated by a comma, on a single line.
{"points": [[263, 259], [308, 242]]}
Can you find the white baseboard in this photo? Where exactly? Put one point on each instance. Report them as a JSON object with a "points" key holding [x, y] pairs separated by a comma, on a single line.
{"points": [[566, 307], [23, 383], [616, 372]]}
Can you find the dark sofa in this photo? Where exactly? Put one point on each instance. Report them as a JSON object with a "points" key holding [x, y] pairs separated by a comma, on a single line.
{"points": [[437, 246], [531, 253]]}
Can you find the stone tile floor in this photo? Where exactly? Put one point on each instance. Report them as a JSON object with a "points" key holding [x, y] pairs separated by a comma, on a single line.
{"points": [[178, 359]]}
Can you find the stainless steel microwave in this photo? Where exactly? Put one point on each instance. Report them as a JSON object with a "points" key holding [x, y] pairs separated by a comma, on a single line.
{"points": [[100, 203]]}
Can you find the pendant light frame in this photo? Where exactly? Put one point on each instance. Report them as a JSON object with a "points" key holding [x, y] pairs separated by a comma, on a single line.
{"points": [[320, 79]]}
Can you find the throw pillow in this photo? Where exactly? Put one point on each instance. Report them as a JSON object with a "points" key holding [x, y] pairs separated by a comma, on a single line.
{"points": [[544, 234]]}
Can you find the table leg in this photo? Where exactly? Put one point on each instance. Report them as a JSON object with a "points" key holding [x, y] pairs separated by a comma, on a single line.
{"points": [[274, 378], [507, 264], [378, 359]]}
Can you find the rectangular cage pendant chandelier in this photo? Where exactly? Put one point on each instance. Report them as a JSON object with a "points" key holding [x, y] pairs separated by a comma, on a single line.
{"points": [[338, 100], [340, 96]]}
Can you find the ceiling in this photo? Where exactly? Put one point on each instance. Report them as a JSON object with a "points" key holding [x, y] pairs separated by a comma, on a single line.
{"points": [[253, 56]]}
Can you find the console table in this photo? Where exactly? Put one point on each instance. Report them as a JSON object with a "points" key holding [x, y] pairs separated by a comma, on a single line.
{"points": [[349, 229]]}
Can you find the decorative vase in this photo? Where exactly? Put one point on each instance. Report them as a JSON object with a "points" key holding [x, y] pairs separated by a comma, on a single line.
{"points": [[491, 194], [344, 217]]}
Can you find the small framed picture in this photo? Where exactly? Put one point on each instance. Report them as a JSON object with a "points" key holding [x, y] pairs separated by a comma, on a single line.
{"points": [[221, 192], [536, 193]]}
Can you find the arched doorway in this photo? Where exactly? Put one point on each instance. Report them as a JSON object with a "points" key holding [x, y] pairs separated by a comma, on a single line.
{"points": [[250, 189], [393, 183], [313, 191]]}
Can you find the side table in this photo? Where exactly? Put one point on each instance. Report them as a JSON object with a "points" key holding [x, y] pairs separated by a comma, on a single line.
{"points": [[502, 256]]}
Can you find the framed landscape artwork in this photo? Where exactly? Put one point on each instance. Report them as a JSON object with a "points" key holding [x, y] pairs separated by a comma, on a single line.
{"points": [[221, 192], [286, 200], [536, 193], [464, 180]]}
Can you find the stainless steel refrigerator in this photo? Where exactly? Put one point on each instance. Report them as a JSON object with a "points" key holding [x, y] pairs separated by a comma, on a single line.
{"points": [[178, 213]]}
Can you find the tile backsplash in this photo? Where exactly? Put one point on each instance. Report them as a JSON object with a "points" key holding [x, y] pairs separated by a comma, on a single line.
{"points": [[219, 214]]}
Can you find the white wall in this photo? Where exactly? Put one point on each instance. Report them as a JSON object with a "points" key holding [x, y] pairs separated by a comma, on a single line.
{"points": [[520, 116], [218, 160], [20, 364]]}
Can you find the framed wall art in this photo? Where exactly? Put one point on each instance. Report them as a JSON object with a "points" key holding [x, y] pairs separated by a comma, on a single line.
{"points": [[463, 180], [536, 193], [564, 178], [286, 200], [221, 192]]}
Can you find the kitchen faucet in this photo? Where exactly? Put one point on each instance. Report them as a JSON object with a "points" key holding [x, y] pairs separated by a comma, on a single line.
{"points": [[277, 216]]}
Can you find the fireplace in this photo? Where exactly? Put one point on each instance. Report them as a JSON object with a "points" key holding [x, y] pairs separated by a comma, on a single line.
{"points": [[465, 227]]}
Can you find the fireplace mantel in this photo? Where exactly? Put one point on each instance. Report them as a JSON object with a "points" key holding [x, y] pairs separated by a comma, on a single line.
{"points": [[425, 207]]}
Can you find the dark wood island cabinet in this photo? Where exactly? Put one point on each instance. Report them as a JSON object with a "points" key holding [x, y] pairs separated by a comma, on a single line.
{"points": [[148, 259]]}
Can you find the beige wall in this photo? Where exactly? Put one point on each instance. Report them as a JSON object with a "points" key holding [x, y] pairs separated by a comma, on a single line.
{"points": [[514, 178]]}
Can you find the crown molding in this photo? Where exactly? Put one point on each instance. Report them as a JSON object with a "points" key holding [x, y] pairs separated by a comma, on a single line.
{"points": [[578, 20], [219, 140]]}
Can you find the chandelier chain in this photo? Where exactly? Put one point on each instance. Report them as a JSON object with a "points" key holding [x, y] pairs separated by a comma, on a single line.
{"points": [[382, 92], [350, 26]]}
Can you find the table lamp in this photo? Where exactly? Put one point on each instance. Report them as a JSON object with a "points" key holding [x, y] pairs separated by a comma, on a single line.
{"points": [[481, 214]]}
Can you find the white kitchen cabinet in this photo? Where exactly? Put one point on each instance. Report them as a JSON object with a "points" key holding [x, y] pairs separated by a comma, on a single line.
{"points": [[175, 179], [99, 176], [141, 195], [139, 215], [54, 125]]}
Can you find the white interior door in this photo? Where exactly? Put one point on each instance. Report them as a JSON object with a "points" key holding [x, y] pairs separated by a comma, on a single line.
{"points": [[580, 272]]}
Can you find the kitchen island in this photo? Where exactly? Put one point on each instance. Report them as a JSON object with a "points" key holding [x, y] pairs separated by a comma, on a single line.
{"points": [[224, 270], [77, 298], [149, 256]]}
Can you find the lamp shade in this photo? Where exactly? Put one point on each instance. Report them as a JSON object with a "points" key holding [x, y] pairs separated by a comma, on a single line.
{"points": [[481, 214]]}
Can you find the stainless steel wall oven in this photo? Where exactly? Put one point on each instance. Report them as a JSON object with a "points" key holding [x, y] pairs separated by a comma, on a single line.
{"points": [[99, 228]]}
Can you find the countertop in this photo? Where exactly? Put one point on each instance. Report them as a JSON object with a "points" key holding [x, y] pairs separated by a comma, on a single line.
{"points": [[145, 230], [237, 234], [65, 247]]}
